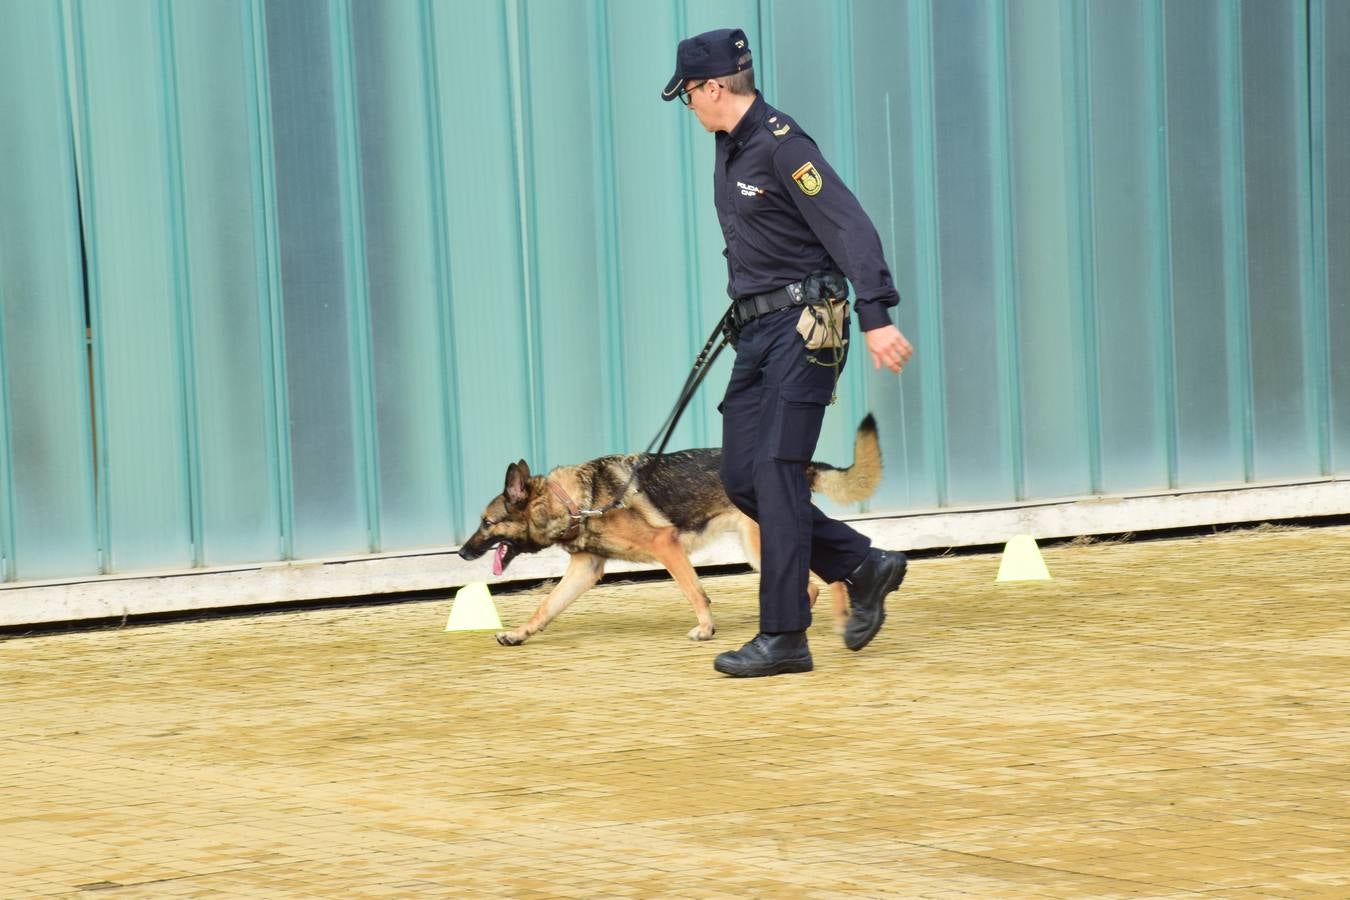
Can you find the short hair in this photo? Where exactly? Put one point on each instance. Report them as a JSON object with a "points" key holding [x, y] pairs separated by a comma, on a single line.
{"points": [[743, 82]]}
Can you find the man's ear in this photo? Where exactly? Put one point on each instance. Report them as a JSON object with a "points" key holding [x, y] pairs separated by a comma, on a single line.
{"points": [[517, 478]]}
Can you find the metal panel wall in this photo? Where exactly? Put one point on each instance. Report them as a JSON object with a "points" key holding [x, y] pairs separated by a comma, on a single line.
{"points": [[341, 260], [235, 476], [1329, 285], [47, 526]]}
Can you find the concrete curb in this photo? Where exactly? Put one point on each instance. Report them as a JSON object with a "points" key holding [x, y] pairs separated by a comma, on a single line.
{"points": [[31, 603]]}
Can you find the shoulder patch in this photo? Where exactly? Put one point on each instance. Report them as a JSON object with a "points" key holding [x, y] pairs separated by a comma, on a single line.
{"points": [[808, 179]]}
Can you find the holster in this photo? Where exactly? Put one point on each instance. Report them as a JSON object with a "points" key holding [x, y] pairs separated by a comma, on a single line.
{"points": [[823, 323], [826, 285]]}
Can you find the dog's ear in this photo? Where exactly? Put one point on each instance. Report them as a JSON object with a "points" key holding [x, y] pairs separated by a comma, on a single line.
{"points": [[517, 477]]}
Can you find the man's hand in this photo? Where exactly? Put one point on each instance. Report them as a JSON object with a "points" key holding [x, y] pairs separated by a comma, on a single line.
{"points": [[888, 347]]}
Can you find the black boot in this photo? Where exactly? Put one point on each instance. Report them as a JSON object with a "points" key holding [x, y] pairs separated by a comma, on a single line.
{"points": [[879, 574], [767, 654]]}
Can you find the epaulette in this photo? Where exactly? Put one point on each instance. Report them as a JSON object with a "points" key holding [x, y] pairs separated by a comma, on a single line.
{"points": [[779, 125]]}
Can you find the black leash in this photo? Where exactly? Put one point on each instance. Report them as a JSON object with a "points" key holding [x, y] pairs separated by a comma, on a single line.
{"points": [[703, 363]]}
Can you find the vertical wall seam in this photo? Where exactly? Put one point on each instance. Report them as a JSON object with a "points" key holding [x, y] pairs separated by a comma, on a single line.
{"points": [[927, 249], [76, 269], [767, 69], [354, 264], [1077, 103], [846, 117], [1160, 212], [181, 280], [1238, 337], [1005, 250], [8, 522], [103, 516], [890, 212], [445, 295], [845, 114], [267, 250], [1317, 321], [693, 274], [517, 53], [609, 236]]}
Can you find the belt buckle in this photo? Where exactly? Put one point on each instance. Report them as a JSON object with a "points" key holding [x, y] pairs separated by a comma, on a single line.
{"points": [[794, 292]]}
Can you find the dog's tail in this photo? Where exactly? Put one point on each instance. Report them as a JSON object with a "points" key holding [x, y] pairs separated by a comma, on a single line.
{"points": [[859, 481]]}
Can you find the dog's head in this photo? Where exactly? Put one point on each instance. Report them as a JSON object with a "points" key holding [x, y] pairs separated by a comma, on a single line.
{"points": [[506, 525]]}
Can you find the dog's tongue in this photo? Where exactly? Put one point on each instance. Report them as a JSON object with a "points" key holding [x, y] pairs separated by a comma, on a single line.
{"points": [[497, 559]]}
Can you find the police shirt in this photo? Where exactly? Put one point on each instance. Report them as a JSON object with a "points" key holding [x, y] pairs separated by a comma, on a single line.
{"points": [[785, 214]]}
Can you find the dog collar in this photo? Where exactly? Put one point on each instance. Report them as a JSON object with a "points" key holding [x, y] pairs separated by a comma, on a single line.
{"points": [[573, 512], [578, 515]]}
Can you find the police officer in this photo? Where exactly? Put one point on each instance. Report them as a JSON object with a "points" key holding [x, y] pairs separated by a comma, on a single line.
{"points": [[793, 231]]}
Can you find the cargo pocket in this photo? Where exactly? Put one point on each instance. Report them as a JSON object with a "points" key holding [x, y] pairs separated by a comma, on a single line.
{"points": [[801, 409]]}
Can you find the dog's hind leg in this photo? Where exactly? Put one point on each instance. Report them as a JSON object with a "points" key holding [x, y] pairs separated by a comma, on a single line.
{"points": [[840, 606], [669, 552], [748, 530], [583, 571]]}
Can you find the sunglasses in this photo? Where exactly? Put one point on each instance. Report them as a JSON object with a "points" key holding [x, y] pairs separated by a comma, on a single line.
{"points": [[685, 93]]}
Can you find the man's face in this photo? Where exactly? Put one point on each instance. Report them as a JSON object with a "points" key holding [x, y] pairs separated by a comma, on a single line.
{"points": [[702, 95]]}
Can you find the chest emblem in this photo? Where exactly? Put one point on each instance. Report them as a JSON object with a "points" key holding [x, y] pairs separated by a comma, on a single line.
{"points": [[808, 179], [749, 190]]}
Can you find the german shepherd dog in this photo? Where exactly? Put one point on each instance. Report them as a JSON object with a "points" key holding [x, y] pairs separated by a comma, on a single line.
{"points": [[675, 505]]}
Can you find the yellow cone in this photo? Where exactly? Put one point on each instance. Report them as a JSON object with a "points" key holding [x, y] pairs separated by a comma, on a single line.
{"points": [[1022, 561], [473, 610]]}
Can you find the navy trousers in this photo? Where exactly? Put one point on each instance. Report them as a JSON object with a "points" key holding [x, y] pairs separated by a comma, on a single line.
{"points": [[771, 417]]}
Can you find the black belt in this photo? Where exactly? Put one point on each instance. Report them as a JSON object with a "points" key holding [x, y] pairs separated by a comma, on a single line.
{"points": [[756, 305]]}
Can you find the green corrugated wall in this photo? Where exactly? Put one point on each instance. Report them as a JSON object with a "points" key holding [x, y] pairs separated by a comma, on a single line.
{"points": [[298, 278]]}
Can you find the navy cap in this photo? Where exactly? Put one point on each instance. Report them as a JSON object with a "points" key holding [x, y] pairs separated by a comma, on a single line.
{"points": [[708, 55]]}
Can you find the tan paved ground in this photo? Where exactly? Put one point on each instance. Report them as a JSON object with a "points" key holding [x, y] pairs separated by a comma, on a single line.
{"points": [[1163, 718]]}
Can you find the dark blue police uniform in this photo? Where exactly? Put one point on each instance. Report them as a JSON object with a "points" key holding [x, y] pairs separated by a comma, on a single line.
{"points": [[789, 221], [786, 215]]}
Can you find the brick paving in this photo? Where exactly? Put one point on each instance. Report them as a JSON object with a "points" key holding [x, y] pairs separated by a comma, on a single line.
{"points": [[1165, 718]]}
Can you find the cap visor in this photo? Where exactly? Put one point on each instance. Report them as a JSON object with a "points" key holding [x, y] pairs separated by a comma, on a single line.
{"points": [[673, 87]]}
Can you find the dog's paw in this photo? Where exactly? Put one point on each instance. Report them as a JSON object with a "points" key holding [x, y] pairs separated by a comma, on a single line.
{"points": [[509, 639], [699, 633]]}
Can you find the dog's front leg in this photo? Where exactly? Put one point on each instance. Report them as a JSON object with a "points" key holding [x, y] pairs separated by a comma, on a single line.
{"points": [[665, 546], [583, 571]]}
